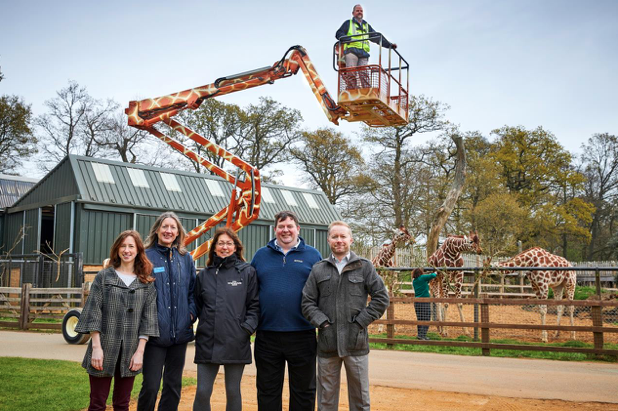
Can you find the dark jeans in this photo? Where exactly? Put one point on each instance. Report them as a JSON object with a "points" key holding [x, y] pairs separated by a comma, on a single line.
{"points": [[272, 350], [156, 359], [99, 391], [423, 313]]}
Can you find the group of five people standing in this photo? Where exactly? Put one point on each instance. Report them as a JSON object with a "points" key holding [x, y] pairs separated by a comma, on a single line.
{"points": [[141, 310]]}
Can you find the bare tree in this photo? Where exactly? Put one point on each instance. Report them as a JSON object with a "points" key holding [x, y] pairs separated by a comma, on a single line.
{"points": [[267, 131], [331, 162], [600, 166], [445, 210], [72, 124], [425, 116]]}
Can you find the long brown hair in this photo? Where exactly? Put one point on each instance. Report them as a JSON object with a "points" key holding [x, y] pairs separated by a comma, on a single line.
{"points": [[230, 233], [417, 272], [142, 266], [153, 236]]}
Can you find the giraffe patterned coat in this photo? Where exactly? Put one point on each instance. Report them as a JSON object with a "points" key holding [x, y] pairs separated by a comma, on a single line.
{"points": [[121, 314]]}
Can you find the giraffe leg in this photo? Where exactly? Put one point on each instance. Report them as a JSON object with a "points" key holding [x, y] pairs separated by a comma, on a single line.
{"points": [[570, 294], [458, 281], [461, 317], [543, 310], [558, 292], [444, 332]]}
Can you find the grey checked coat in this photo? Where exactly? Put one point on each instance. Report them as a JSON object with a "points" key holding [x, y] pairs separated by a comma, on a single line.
{"points": [[121, 314]]}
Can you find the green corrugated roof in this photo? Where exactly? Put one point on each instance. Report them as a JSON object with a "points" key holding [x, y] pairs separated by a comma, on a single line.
{"points": [[83, 178]]}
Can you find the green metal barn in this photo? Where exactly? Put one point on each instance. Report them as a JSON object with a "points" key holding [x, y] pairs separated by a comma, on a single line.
{"points": [[84, 203]]}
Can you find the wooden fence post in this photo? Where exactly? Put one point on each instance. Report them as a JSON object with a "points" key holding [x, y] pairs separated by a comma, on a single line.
{"points": [[485, 329], [24, 306], [390, 328], [84, 292], [597, 314]]}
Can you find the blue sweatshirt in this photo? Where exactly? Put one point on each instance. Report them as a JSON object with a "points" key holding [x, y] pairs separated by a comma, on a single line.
{"points": [[281, 278]]}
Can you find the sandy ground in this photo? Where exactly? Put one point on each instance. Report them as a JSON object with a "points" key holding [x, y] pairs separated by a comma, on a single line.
{"points": [[402, 399]]}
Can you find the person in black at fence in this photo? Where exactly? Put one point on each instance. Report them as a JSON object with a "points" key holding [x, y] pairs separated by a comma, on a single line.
{"points": [[420, 283]]}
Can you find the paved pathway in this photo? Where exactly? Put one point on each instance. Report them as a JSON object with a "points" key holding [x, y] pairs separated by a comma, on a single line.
{"points": [[509, 377]]}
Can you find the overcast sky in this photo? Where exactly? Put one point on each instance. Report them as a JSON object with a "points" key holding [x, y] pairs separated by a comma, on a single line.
{"points": [[532, 63]]}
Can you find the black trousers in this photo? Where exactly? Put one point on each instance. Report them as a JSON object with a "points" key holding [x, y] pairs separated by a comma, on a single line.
{"points": [[272, 350], [423, 313], [156, 359]]}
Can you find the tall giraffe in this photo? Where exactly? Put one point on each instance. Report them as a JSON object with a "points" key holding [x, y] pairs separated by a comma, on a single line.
{"points": [[449, 255], [384, 258], [558, 280]]}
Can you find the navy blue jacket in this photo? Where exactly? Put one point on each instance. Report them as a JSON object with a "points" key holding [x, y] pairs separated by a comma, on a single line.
{"points": [[281, 278], [174, 280]]}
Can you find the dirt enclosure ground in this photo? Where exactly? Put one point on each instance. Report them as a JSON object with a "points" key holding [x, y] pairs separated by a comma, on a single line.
{"points": [[399, 399]]}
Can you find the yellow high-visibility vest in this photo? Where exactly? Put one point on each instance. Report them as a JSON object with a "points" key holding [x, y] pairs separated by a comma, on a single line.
{"points": [[358, 34]]}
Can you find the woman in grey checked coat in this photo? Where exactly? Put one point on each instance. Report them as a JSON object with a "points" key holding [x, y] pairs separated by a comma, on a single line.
{"points": [[120, 315]]}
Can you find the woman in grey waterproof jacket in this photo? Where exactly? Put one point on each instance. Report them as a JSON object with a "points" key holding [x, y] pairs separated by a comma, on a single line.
{"points": [[226, 297]]}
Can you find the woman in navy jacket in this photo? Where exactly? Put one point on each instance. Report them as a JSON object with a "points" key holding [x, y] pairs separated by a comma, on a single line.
{"points": [[226, 296], [174, 273]]}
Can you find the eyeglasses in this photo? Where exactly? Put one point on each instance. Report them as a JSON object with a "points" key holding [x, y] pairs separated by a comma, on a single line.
{"points": [[224, 244]]}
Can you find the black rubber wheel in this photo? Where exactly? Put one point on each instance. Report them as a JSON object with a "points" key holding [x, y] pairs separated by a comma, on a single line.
{"points": [[69, 322]]}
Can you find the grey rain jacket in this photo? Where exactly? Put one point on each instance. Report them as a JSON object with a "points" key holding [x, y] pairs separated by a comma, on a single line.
{"points": [[342, 301]]}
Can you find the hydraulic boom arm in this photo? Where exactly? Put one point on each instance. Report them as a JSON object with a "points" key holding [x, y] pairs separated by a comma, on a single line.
{"points": [[244, 204]]}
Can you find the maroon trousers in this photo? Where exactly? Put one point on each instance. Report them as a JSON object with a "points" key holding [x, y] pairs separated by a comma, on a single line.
{"points": [[99, 391]]}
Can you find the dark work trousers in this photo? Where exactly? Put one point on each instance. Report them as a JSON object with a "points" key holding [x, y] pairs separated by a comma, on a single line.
{"points": [[169, 363], [423, 313], [272, 350], [99, 391]]}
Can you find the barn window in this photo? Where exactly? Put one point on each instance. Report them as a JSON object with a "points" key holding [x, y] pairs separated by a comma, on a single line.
{"points": [[215, 188], [138, 178], [170, 182], [103, 173], [310, 200], [289, 198]]}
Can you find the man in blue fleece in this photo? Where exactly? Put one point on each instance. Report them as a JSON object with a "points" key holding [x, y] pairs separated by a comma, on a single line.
{"points": [[283, 334]]}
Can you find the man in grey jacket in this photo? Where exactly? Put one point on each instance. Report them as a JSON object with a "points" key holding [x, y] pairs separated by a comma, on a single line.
{"points": [[335, 301]]}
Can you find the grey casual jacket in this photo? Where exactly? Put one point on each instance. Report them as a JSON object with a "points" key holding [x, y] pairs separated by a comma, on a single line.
{"points": [[341, 300]]}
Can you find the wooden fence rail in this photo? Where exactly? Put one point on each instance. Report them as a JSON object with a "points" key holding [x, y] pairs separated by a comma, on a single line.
{"points": [[27, 304], [485, 307]]}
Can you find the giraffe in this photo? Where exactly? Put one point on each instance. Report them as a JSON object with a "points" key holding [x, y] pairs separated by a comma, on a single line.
{"points": [[449, 255], [384, 258], [540, 280]]}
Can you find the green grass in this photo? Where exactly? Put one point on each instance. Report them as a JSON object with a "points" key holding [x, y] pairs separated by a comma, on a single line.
{"points": [[499, 353], [32, 385]]}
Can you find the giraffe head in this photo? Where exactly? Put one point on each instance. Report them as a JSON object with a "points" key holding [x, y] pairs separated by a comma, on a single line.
{"points": [[474, 242], [402, 237]]}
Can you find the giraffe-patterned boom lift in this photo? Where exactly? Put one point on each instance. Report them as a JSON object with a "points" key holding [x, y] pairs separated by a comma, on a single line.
{"points": [[358, 103]]}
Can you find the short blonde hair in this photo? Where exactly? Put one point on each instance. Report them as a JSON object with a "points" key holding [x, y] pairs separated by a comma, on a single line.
{"points": [[341, 223]]}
